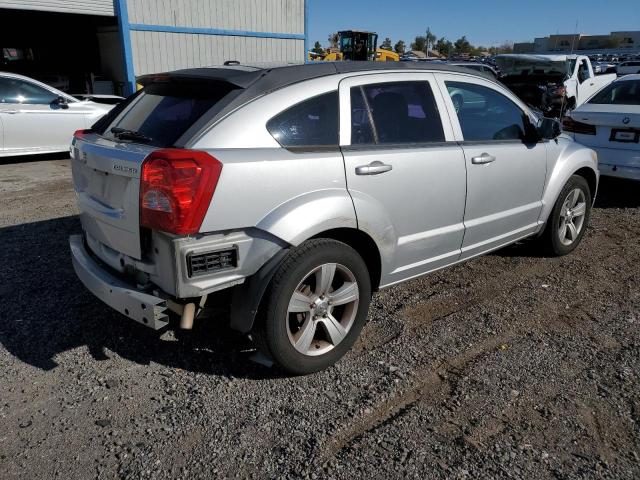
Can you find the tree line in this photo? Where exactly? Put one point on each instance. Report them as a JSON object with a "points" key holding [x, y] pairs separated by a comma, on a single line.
{"points": [[429, 42]]}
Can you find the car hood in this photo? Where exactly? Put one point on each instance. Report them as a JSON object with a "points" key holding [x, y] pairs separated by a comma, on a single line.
{"points": [[534, 65]]}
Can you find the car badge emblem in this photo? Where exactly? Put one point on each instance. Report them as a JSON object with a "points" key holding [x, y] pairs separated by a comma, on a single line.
{"points": [[626, 120]]}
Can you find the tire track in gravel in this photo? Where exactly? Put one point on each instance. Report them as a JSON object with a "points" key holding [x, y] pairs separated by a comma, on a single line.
{"points": [[436, 382], [433, 383], [434, 379], [482, 288], [425, 313]]}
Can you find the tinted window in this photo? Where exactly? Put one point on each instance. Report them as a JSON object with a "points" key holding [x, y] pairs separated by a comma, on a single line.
{"points": [[619, 93], [361, 130], [163, 112], [13, 90], [485, 114], [313, 122], [399, 112], [583, 71]]}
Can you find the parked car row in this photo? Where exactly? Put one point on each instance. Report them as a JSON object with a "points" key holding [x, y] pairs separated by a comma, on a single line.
{"points": [[609, 123], [37, 118], [553, 84], [297, 258]]}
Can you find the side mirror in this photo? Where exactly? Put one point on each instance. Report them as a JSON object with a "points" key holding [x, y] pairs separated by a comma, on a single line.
{"points": [[61, 102], [549, 128]]}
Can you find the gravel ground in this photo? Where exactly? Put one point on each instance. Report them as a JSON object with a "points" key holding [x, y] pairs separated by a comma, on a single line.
{"points": [[509, 366]]}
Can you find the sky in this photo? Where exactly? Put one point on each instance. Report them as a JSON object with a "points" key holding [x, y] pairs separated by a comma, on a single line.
{"points": [[484, 22]]}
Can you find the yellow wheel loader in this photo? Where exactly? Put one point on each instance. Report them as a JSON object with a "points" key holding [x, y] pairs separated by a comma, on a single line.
{"points": [[356, 45]]}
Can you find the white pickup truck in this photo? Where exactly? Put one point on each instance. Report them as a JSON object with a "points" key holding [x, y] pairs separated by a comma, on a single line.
{"points": [[551, 83]]}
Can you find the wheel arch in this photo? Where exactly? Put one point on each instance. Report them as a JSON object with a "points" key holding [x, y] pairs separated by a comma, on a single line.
{"points": [[362, 243], [573, 159], [592, 180], [247, 297]]}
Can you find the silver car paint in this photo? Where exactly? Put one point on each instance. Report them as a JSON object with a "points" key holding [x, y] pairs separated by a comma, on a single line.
{"points": [[276, 197], [505, 217], [564, 158], [290, 195], [504, 197], [106, 180], [403, 209]]}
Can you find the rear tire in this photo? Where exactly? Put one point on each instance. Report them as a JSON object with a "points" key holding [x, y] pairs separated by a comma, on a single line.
{"points": [[315, 306], [569, 218]]}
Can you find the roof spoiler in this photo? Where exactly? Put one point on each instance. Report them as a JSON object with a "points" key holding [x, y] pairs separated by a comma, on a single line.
{"points": [[240, 77]]}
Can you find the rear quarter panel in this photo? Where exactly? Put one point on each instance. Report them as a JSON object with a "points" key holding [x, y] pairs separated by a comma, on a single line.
{"points": [[290, 195], [293, 195]]}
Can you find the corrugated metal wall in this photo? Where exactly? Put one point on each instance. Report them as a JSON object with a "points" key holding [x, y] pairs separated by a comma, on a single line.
{"points": [[155, 51], [280, 16], [89, 7]]}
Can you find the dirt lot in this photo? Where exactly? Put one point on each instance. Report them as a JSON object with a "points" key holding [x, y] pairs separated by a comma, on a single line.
{"points": [[510, 366]]}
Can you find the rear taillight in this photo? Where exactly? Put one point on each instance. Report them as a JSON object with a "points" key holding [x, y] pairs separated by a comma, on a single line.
{"points": [[570, 125], [176, 187], [81, 133]]}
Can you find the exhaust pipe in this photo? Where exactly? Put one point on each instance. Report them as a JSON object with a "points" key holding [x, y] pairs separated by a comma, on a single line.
{"points": [[188, 314], [187, 311]]}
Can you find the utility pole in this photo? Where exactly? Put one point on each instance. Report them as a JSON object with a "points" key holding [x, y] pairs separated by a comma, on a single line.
{"points": [[428, 35]]}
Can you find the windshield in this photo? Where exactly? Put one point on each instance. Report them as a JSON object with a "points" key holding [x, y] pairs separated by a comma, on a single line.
{"points": [[618, 93], [533, 66]]}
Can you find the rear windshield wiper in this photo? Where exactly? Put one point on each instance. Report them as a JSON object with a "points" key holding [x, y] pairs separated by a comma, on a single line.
{"points": [[125, 134]]}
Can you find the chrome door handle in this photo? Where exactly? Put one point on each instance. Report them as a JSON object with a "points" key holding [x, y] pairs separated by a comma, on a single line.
{"points": [[9, 111], [374, 168], [484, 158]]}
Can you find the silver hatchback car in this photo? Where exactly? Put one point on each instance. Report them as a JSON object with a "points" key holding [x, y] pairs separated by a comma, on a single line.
{"points": [[290, 194]]}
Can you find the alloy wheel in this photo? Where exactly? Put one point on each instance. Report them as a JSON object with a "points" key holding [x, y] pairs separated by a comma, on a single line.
{"points": [[322, 309], [572, 216]]}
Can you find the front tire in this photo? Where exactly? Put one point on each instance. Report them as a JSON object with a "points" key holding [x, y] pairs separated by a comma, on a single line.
{"points": [[569, 218], [315, 306]]}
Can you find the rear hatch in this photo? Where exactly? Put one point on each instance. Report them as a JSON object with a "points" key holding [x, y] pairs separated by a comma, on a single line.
{"points": [[107, 160]]}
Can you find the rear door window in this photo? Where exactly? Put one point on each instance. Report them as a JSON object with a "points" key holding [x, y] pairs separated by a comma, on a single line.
{"points": [[394, 113], [163, 112], [312, 123]]}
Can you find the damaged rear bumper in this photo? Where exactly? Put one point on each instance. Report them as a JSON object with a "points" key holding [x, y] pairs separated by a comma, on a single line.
{"points": [[142, 307]]}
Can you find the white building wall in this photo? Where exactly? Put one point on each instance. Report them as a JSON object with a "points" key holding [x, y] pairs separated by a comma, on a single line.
{"points": [[88, 7], [278, 16], [174, 34], [155, 52]]}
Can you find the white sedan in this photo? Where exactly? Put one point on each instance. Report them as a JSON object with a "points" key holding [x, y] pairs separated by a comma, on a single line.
{"points": [[37, 118], [609, 123]]}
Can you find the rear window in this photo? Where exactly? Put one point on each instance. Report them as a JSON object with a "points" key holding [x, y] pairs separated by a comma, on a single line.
{"points": [[618, 93], [163, 112]]}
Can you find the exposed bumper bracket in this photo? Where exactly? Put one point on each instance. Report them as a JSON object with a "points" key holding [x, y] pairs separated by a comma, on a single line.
{"points": [[139, 306]]}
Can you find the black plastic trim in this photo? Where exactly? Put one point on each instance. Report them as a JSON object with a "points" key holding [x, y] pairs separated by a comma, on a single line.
{"points": [[397, 146], [248, 295]]}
